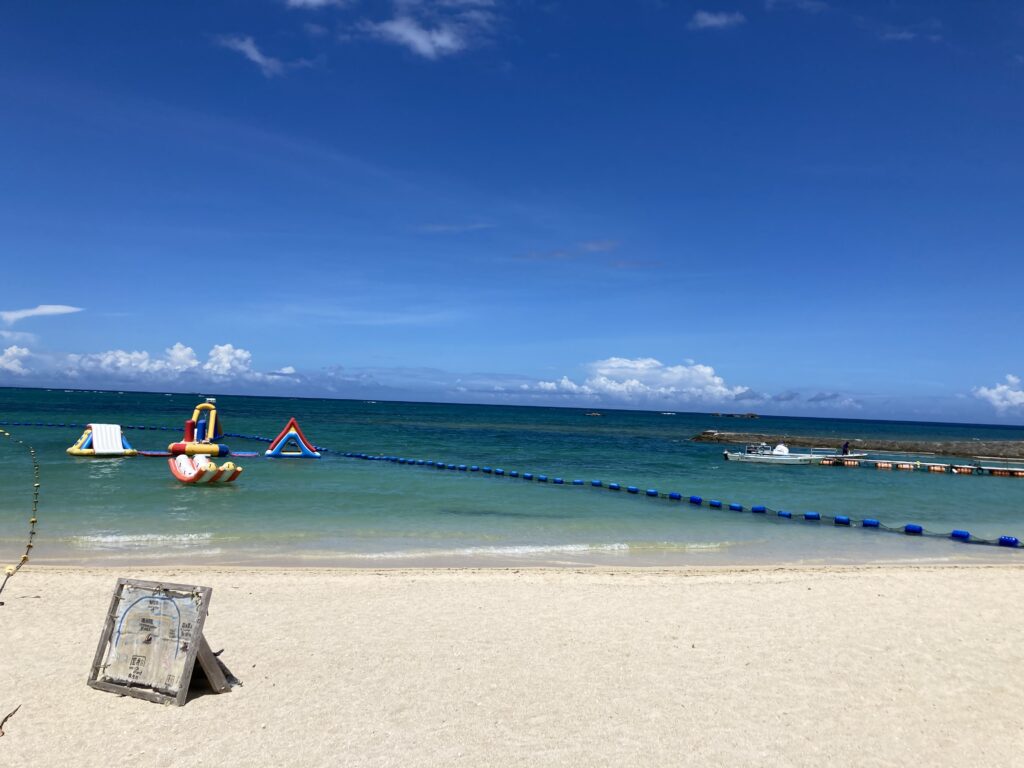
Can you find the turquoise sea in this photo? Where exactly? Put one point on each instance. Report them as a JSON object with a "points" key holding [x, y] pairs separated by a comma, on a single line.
{"points": [[348, 512]]}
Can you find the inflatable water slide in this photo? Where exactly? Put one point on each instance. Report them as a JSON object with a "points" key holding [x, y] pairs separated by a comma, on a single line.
{"points": [[101, 441]]}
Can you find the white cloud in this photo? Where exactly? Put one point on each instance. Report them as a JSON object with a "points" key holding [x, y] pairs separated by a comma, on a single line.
{"points": [[435, 30], [245, 45], [835, 400], [11, 360], [1003, 396], [223, 361], [226, 360], [456, 229], [288, 370], [897, 35], [316, 4], [808, 6], [11, 316], [135, 364], [716, 20], [18, 337], [929, 30], [599, 246], [433, 43], [645, 379], [181, 358]]}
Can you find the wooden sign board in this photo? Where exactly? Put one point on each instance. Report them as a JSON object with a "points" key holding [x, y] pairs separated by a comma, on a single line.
{"points": [[151, 640]]}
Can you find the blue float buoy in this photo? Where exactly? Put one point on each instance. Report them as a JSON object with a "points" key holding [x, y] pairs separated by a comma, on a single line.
{"points": [[842, 520], [812, 516], [675, 496], [783, 513], [527, 476], [913, 529], [960, 535], [736, 507], [652, 492], [696, 500], [596, 483], [1009, 541], [514, 473], [759, 508], [486, 470], [614, 487], [632, 489], [558, 481], [577, 482], [715, 504], [542, 478], [869, 522]]}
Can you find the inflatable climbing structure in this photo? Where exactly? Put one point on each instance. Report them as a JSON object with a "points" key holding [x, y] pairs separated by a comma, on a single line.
{"points": [[190, 459], [291, 443], [200, 433]]}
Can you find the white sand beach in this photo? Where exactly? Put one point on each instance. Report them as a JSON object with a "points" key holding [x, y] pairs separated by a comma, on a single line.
{"points": [[889, 665]]}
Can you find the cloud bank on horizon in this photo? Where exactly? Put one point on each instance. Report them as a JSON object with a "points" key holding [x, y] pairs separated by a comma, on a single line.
{"points": [[632, 383]]}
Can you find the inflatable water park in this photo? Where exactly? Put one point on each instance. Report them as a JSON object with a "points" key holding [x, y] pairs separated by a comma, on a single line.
{"points": [[191, 462], [190, 459]]}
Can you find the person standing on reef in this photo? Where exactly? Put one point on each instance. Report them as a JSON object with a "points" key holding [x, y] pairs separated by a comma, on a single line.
{"points": [[846, 448]]}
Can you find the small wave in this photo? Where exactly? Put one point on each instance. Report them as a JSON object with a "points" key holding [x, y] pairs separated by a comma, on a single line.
{"points": [[680, 546], [139, 540], [497, 513], [537, 550], [495, 551]]}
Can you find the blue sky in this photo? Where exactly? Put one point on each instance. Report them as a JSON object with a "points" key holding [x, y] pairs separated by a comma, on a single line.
{"points": [[806, 207]]}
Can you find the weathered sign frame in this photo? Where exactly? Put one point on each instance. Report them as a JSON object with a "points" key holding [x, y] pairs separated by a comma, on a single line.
{"points": [[197, 650]]}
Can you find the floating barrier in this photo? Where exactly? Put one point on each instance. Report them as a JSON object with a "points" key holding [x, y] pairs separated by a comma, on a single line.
{"points": [[842, 521], [931, 467], [10, 570]]}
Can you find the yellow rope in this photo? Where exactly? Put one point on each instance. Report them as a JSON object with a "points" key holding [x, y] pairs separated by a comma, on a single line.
{"points": [[10, 570]]}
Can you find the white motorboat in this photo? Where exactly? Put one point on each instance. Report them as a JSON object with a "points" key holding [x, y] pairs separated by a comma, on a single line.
{"points": [[762, 453]]}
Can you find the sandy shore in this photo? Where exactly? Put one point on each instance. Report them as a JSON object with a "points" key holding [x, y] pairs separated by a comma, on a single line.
{"points": [[767, 666]]}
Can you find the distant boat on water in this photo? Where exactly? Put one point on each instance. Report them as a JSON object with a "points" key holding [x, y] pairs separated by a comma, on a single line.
{"points": [[762, 453]]}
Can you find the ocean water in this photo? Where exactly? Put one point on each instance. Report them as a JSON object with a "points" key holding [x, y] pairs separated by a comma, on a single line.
{"points": [[344, 511]]}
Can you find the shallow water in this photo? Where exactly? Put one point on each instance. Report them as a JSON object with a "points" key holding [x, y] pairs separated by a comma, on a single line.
{"points": [[344, 511]]}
